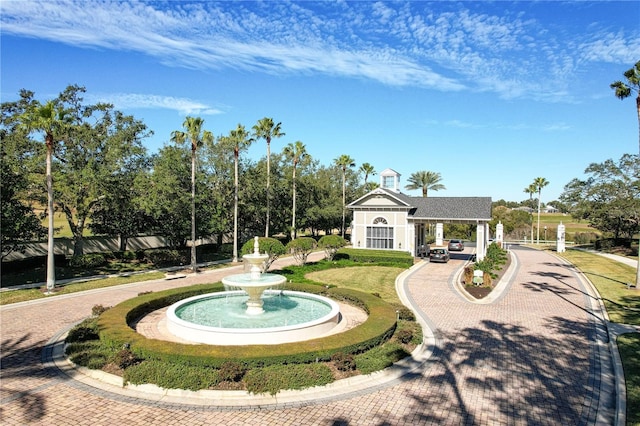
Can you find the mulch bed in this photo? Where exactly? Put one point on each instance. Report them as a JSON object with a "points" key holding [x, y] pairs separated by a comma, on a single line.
{"points": [[479, 292]]}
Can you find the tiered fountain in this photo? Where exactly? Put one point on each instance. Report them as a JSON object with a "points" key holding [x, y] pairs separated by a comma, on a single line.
{"points": [[255, 314]]}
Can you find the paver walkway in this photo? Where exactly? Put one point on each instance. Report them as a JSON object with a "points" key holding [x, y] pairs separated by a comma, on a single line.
{"points": [[536, 356]]}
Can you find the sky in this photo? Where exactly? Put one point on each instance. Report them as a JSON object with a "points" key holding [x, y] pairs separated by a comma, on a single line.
{"points": [[490, 95]]}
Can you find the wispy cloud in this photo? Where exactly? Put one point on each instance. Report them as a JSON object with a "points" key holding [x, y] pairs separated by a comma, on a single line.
{"points": [[462, 124], [183, 106], [444, 45]]}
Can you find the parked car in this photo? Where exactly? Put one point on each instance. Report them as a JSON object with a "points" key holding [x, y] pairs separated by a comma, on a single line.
{"points": [[456, 245], [439, 254]]}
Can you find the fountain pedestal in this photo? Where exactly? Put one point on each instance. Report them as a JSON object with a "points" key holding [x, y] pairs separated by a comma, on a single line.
{"points": [[255, 282]]}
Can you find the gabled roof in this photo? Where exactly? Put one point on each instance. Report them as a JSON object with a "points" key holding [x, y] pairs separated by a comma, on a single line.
{"points": [[432, 208], [401, 199]]}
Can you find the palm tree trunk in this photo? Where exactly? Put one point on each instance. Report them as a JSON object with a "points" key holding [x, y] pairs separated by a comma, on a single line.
{"points": [[51, 267], [266, 229], [235, 207], [293, 210], [538, 229], [344, 198], [194, 266]]}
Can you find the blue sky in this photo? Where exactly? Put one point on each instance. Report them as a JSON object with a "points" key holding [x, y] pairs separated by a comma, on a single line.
{"points": [[489, 94]]}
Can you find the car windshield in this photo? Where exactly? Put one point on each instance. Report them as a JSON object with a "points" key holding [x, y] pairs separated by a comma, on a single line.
{"points": [[438, 251]]}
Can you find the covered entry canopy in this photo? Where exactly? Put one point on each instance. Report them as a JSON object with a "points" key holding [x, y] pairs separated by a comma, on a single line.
{"points": [[388, 219]]}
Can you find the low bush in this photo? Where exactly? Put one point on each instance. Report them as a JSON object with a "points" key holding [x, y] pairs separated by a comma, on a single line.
{"points": [[380, 357], [171, 376], [85, 331], [165, 257], [381, 257], [273, 378], [90, 354], [88, 261]]}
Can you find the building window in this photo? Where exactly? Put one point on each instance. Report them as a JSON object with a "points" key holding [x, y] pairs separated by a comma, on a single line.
{"points": [[388, 182], [379, 236]]}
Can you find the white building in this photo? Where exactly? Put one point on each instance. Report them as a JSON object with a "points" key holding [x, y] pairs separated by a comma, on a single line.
{"points": [[385, 218]]}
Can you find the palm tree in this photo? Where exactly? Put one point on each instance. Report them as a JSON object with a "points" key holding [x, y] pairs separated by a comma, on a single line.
{"points": [[425, 180], [531, 189], [197, 136], [624, 90], [239, 139], [368, 170], [266, 130], [344, 162], [51, 119], [296, 152], [539, 183]]}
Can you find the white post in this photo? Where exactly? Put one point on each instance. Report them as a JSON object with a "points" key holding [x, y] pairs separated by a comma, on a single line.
{"points": [[500, 234], [560, 248], [439, 232], [480, 242]]}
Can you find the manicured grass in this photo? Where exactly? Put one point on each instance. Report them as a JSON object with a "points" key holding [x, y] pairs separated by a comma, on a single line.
{"points": [[15, 296], [623, 306], [610, 278], [369, 279], [629, 346], [552, 220]]}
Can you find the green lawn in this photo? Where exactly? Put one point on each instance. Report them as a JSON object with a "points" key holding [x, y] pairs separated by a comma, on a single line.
{"points": [[552, 220], [369, 279], [623, 306]]}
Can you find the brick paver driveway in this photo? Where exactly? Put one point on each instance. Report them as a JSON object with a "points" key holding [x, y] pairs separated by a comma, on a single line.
{"points": [[535, 356]]}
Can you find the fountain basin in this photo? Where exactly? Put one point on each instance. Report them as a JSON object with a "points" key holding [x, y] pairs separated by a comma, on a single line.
{"points": [[221, 318]]}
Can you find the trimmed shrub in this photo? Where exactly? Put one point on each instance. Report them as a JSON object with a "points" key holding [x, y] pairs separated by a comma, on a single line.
{"points": [[382, 257], [331, 244], [91, 354], [98, 309], [85, 331], [171, 376], [164, 257], [300, 248], [115, 331], [271, 246], [88, 261], [380, 358], [274, 378]]}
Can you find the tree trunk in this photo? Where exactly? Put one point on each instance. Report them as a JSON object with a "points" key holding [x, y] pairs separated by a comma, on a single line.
{"points": [[293, 210], [638, 266], [235, 207], [266, 229], [194, 266], [51, 267], [123, 242]]}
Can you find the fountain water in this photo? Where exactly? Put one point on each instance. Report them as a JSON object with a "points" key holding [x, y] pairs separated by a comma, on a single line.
{"points": [[270, 316]]}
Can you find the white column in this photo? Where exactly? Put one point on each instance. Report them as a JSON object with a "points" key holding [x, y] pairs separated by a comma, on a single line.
{"points": [[500, 234], [560, 248], [480, 242], [439, 233]]}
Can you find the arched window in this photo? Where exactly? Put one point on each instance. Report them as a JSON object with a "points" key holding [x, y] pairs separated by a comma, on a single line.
{"points": [[379, 236]]}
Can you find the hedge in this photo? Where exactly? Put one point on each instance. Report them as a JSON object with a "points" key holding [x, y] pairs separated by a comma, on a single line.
{"points": [[376, 256], [116, 331]]}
